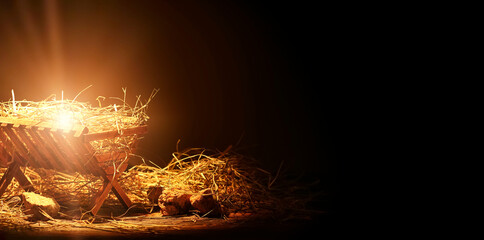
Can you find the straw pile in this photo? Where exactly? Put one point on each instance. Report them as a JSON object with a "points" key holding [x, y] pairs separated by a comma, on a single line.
{"points": [[233, 179], [67, 113], [97, 119], [237, 184]]}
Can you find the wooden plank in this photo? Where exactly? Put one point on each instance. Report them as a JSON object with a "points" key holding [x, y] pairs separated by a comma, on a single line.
{"points": [[39, 141], [19, 146], [88, 159], [41, 124], [100, 197], [120, 194], [61, 160], [110, 183], [7, 177], [112, 177], [110, 156], [110, 171], [80, 130], [68, 151], [119, 169], [5, 157], [7, 144], [112, 134], [95, 160], [78, 150], [24, 181], [14, 120], [9, 148], [89, 148], [38, 161]]}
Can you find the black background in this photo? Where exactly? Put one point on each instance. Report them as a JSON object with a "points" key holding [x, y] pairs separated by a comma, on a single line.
{"points": [[256, 75]]}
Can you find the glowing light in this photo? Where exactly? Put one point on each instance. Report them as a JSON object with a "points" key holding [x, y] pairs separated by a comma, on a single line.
{"points": [[64, 120]]}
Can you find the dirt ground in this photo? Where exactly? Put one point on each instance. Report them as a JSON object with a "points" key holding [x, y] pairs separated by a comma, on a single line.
{"points": [[153, 225]]}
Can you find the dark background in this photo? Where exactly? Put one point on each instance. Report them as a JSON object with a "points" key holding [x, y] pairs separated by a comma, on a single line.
{"points": [[254, 75]]}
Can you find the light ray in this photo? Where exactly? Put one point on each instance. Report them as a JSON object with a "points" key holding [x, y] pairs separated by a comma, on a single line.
{"points": [[55, 41]]}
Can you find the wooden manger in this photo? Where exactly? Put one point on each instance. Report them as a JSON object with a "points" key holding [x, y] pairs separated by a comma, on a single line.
{"points": [[38, 144]]}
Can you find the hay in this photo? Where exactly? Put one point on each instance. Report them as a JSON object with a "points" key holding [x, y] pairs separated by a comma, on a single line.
{"points": [[67, 113], [237, 183], [239, 186]]}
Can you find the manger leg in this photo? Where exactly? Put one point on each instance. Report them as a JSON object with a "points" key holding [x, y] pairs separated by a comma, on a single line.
{"points": [[101, 195], [120, 194], [118, 191], [24, 181], [7, 177]]}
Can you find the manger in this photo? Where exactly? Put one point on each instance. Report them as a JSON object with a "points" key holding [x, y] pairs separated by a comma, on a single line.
{"points": [[70, 136], [77, 154]]}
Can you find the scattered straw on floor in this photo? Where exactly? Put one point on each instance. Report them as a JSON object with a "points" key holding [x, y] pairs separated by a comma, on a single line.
{"points": [[238, 185], [234, 180]]}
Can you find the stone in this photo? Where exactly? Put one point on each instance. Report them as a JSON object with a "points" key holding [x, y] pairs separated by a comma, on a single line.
{"points": [[39, 206], [174, 202], [205, 203], [154, 193]]}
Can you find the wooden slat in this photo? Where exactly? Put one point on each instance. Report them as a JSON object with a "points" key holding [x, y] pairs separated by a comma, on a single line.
{"points": [[115, 170], [80, 130], [14, 171], [9, 148], [29, 122], [133, 147], [50, 158], [38, 160], [95, 156], [24, 181], [68, 151], [88, 159], [19, 146], [5, 157], [78, 150], [7, 177], [121, 195], [100, 196], [110, 156], [118, 191], [50, 142], [110, 183], [112, 134], [7, 144]]}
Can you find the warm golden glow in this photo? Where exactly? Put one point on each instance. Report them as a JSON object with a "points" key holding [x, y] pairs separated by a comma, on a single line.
{"points": [[64, 120], [53, 45]]}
